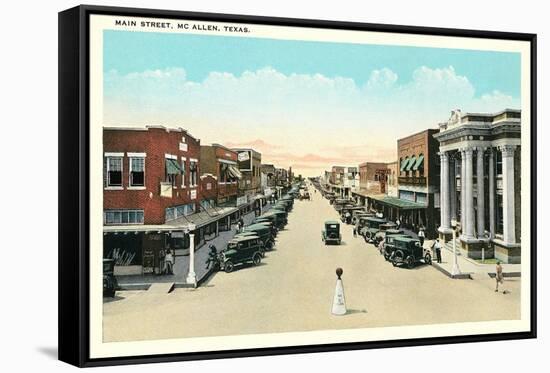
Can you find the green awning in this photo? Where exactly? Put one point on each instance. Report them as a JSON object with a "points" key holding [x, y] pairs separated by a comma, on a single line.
{"points": [[404, 163], [173, 167], [411, 163], [419, 162]]}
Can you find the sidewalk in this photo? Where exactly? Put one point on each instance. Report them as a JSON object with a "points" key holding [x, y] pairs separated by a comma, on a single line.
{"points": [[469, 267], [181, 265]]}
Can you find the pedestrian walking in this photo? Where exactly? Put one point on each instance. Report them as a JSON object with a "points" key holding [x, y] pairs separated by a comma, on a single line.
{"points": [[398, 223], [354, 231], [437, 248], [499, 277], [212, 256], [421, 236]]}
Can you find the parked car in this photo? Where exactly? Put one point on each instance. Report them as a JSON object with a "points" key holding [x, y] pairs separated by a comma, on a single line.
{"points": [[387, 247], [371, 228], [268, 223], [241, 250], [262, 231], [348, 218], [383, 228], [331, 233], [110, 283], [408, 252], [356, 214], [279, 217]]}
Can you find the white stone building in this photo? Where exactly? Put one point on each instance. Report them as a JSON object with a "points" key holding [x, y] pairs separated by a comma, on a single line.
{"points": [[480, 182]]}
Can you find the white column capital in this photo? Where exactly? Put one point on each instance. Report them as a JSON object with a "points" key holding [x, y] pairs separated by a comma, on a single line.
{"points": [[507, 150]]}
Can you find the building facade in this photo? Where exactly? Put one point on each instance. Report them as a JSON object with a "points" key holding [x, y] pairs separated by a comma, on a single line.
{"points": [[416, 204], [250, 163], [151, 178], [481, 182], [375, 179], [221, 162]]}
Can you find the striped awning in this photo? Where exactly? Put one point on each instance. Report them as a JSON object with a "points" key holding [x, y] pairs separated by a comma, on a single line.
{"points": [[404, 164], [412, 161], [418, 162]]}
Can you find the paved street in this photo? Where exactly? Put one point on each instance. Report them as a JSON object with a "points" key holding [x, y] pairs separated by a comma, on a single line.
{"points": [[292, 290]]}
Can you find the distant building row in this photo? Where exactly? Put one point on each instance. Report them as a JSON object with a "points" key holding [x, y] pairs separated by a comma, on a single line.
{"points": [[466, 171]]}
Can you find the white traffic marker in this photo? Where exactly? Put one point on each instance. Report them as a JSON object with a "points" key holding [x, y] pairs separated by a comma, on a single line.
{"points": [[339, 302]]}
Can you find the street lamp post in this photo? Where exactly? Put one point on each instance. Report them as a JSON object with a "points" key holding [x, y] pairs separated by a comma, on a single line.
{"points": [[456, 270], [191, 276]]}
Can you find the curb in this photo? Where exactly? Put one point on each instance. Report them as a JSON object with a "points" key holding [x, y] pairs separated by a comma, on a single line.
{"points": [[462, 276], [505, 274]]}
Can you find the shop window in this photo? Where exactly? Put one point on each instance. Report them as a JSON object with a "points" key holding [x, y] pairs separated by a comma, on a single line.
{"points": [[114, 171], [137, 171]]}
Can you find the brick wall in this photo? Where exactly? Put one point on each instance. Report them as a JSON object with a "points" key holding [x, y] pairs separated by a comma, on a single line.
{"points": [[155, 142]]}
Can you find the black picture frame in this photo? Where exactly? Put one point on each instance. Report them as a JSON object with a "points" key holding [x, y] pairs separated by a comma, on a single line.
{"points": [[74, 184]]}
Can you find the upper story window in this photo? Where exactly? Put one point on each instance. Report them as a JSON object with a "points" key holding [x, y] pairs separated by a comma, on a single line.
{"points": [[183, 168], [113, 217], [137, 171], [172, 169], [113, 171], [193, 173]]}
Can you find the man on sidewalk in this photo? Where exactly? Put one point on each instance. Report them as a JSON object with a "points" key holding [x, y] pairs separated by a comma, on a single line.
{"points": [[437, 248]]}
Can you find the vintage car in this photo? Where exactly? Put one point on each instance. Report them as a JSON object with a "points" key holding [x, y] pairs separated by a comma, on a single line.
{"points": [[280, 217], [331, 233], [356, 214], [383, 228], [110, 283], [282, 205], [241, 250], [262, 231], [408, 251], [268, 223], [348, 218], [370, 228], [386, 247]]}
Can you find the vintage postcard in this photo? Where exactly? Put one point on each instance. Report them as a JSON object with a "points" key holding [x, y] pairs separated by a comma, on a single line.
{"points": [[261, 186]]}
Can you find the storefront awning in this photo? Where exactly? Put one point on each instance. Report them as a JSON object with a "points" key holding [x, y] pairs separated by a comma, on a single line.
{"points": [[411, 163], [234, 172], [404, 164], [173, 167], [419, 162], [399, 203]]}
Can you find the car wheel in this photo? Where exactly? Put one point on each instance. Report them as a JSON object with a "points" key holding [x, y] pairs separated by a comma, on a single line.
{"points": [[410, 262], [428, 259], [229, 266], [269, 245], [365, 238], [257, 259]]}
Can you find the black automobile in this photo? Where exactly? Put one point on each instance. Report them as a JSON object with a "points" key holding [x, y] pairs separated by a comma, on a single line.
{"points": [[387, 247], [408, 252], [331, 232], [262, 231], [110, 283], [279, 217], [370, 228], [241, 250]]}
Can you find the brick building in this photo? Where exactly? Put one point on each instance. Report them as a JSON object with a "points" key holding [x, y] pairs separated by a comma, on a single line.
{"points": [[417, 201], [151, 175], [375, 179], [249, 162], [221, 163]]}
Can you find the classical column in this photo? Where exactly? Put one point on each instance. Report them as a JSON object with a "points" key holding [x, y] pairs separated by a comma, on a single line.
{"points": [[492, 191], [452, 186], [462, 191], [469, 217], [480, 193], [444, 192], [508, 211]]}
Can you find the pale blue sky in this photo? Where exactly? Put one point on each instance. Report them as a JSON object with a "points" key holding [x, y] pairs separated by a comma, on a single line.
{"points": [[303, 104], [199, 54]]}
